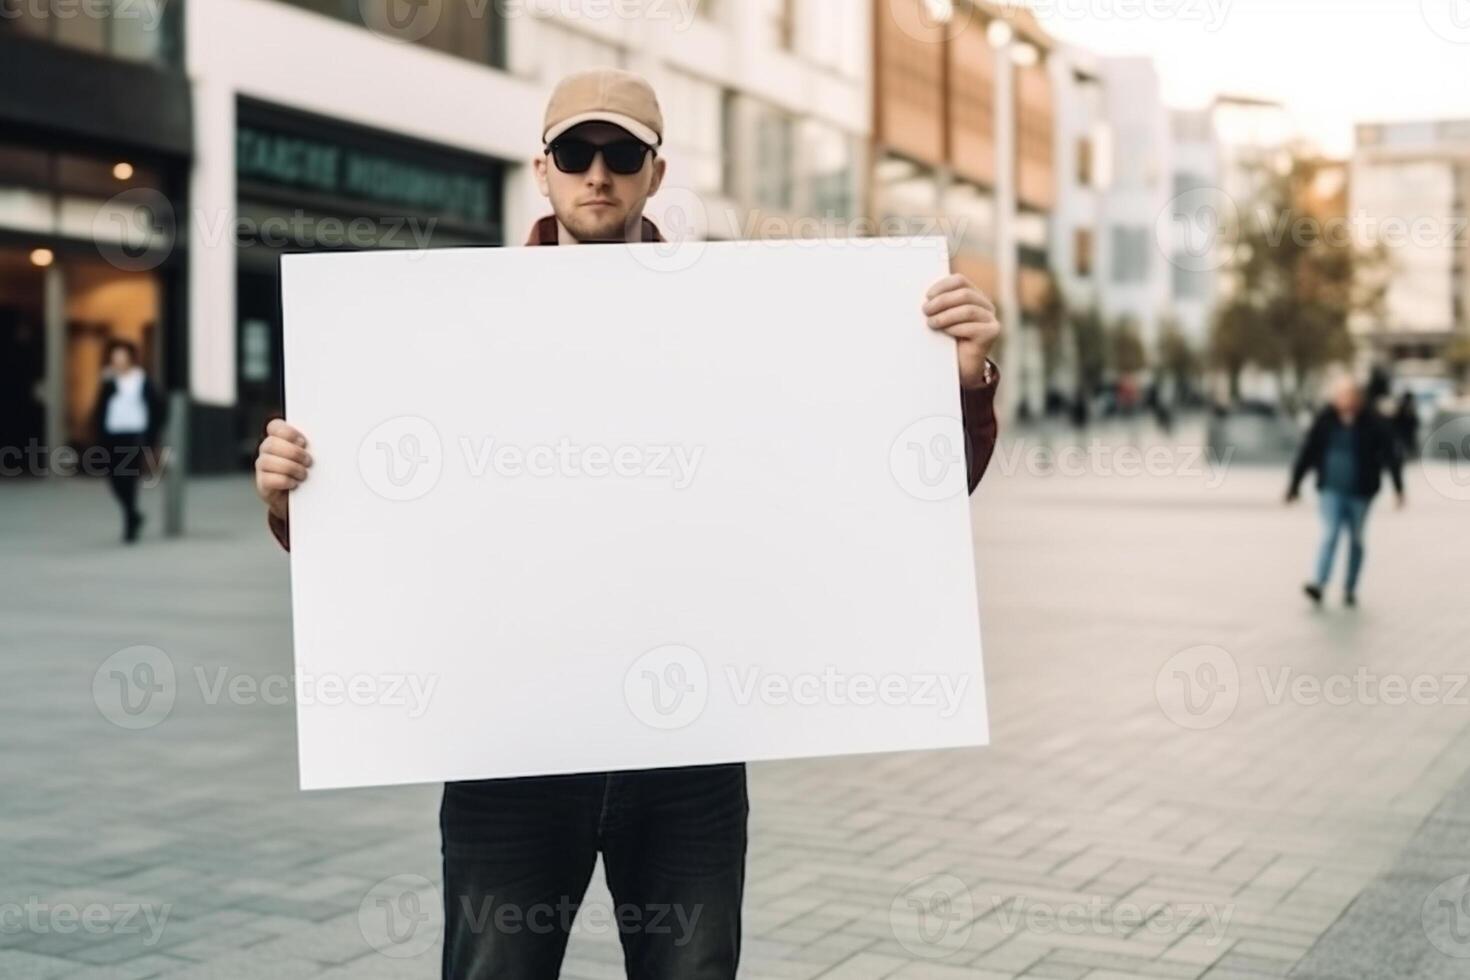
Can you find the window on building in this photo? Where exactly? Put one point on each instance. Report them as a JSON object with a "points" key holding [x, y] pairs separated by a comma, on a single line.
{"points": [[1130, 254], [474, 31], [778, 23], [147, 32], [1084, 162], [829, 172], [775, 159], [696, 132], [1082, 252]]}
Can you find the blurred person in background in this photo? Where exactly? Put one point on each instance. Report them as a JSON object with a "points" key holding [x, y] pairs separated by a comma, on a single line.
{"points": [[671, 839], [128, 417], [1406, 425], [1349, 446]]}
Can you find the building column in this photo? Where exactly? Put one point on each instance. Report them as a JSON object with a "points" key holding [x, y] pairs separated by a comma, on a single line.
{"points": [[209, 227], [1007, 266], [54, 313]]}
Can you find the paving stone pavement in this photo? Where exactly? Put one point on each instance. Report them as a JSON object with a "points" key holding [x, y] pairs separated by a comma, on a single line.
{"points": [[1192, 774]]}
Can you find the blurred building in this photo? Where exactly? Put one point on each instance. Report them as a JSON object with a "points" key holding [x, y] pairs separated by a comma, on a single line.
{"points": [[1137, 280], [1194, 243], [963, 145], [96, 142], [1410, 192], [1084, 150]]}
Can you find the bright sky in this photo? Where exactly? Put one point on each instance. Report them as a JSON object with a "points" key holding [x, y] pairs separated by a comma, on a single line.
{"points": [[1332, 62]]}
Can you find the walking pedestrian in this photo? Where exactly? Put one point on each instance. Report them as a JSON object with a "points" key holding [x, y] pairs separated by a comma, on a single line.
{"points": [[1349, 446], [128, 416], [1406, 425], [673, 841]]}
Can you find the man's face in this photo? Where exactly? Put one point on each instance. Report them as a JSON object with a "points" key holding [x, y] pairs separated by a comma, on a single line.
{"points": [[1347, 397], [121, 360], [599, 205]]}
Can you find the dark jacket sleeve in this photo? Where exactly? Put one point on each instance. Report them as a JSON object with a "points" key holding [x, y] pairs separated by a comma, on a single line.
{"points": [[977, 408], [99, 409], [1308, 457], [280, 530], [157, 410]]}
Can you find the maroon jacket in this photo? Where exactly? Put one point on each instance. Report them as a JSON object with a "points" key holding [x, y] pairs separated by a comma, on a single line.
{"points": [[977, 405]]}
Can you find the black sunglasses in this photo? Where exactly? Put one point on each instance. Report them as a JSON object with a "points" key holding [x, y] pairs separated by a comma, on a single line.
{"points": [[574, 156]]}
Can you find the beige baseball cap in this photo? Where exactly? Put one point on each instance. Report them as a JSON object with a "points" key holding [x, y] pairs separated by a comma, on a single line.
{"points": [[605, 95]]}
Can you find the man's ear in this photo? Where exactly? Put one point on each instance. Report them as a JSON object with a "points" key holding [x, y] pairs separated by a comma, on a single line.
{"points": [[538, 166], [660, 168]]}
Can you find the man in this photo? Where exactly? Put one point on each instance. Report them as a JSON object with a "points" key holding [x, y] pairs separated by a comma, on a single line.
{"points": [[1349, 446], [128, 417], [673, 840]]}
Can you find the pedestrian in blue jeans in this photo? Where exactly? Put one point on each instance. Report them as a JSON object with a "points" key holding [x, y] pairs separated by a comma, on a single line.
{"points": [[519, 853], [1349, 446]]}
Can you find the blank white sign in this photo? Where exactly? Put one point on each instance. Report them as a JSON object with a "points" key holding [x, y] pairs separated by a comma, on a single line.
{"points": [[625, 507]]}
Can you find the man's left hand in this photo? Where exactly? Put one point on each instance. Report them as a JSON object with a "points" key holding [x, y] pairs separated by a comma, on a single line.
{"points": [[954, 306]]}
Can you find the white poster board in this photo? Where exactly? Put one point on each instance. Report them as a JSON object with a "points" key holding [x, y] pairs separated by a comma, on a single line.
{"points": [[616, 507]]}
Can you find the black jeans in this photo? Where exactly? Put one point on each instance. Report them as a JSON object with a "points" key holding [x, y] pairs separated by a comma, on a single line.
{"points": [[125, 464], [518, 854]]}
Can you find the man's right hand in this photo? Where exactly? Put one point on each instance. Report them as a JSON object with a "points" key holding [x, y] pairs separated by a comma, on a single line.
{"points": [[280, 466]]}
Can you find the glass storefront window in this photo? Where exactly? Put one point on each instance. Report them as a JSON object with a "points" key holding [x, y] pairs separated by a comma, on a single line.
{"points": [[137, 30], [474, 31]]}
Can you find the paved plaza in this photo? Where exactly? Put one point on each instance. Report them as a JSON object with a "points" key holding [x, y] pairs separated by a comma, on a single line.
{"points": [[1192, 773]]}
